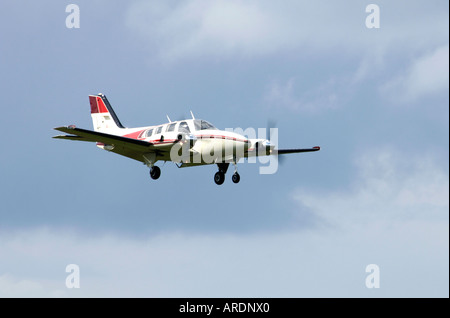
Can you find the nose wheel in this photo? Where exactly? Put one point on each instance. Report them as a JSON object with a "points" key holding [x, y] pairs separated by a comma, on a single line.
{"points": [[236, 177]]}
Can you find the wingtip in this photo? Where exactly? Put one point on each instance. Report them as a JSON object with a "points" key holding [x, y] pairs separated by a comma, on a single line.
{"points": [[65, 127]]}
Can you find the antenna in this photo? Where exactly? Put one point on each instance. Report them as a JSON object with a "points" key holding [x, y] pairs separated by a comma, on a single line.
{"points": [[168, 118], [192, 115]]}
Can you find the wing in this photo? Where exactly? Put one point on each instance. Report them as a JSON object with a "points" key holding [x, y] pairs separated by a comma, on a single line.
{"points": [[287, 151], [95, 136], [128, 147]]}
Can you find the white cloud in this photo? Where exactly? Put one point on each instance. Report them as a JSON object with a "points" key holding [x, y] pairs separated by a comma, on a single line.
{"points": [[196, 28], [199, 28], [11, 286], [390, 188], [290, 95], [173, 265], [395, 215], [426, 76]]}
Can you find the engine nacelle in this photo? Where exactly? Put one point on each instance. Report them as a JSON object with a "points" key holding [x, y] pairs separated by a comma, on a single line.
{"points": [[105, 146], [260, 147]]}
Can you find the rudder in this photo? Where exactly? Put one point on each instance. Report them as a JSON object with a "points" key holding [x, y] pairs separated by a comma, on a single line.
{"points": [[103, 116]]}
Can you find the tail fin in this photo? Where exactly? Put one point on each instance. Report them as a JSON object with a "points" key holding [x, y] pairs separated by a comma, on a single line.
{"points": [[103, 115]]}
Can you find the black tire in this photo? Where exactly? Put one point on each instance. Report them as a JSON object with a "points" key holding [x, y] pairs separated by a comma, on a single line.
{"points": [[236, 177], [155, 172], [219, 177]]}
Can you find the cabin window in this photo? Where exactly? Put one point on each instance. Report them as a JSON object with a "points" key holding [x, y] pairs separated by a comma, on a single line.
{"points": [[158, 131], [184, 127], [203, 125], [148, 133], [171, 127]]}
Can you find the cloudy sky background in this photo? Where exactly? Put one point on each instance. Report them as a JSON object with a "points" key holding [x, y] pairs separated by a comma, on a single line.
{"points": [[375, 100]]}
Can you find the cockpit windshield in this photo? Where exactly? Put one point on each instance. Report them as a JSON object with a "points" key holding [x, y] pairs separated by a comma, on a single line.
{"points": [[203, 125]]}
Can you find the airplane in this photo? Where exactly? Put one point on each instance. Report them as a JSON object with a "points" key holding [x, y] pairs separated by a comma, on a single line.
{"points": [[188, 142]]}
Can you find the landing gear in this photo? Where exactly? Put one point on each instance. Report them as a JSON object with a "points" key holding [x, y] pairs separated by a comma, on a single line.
{"points": [[150, 160], [155, 172], [219, 177], [236, 177]]}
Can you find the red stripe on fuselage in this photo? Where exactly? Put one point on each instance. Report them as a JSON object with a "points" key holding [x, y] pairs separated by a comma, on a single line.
{"points": [[220, 137], [168, 141], [134, 135]]}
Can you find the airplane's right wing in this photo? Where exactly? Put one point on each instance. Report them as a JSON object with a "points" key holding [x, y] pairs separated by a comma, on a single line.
{"points": [[287, 151]]}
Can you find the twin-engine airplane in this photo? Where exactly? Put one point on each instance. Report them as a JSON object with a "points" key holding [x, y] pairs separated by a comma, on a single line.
{"points": [[189, 142]]}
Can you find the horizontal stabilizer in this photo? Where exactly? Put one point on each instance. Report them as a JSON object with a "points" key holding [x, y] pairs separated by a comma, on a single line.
{"points": [[70, 137]]}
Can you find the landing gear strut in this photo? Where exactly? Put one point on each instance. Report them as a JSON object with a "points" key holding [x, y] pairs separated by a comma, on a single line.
{"points": [[236, 177], [219, 177], [150, 160]]}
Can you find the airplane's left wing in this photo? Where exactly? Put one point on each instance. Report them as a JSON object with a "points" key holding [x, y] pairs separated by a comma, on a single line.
{"points": [[95, 136], [128, 147]]}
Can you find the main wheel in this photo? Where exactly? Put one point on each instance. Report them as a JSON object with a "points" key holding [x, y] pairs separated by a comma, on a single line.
{"points": [[236, 177], [155, 172], [219, 177]]}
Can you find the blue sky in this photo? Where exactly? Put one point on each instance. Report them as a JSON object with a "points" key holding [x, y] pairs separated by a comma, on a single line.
{"points": [[375, 100]]}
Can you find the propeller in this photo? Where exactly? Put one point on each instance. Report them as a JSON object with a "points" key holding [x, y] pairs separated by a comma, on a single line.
{"points": [[271, 124]]}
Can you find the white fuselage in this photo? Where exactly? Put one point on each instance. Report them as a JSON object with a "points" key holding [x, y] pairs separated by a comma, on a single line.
{"points": [[197, 142]]}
